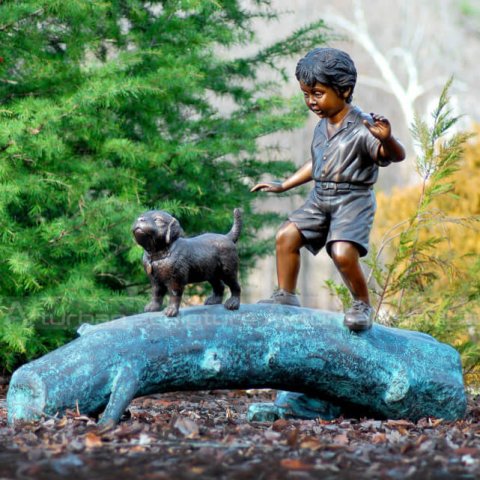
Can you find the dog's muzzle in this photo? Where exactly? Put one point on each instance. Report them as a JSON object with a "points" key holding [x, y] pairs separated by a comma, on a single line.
{"points": [[142, 236]]}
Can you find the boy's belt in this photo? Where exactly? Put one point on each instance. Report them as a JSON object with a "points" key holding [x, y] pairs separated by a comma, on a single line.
{"points": [[341, 186]]}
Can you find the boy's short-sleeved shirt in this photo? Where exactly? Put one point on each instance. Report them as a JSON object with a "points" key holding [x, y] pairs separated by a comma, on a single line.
{"points": [[350, 155], [343, 207]]}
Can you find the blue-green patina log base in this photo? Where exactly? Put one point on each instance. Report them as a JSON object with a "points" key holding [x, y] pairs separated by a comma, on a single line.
{"points": [[382, 373], [293, 405]]}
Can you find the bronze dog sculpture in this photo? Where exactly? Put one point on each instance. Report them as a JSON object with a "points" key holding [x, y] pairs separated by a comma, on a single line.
{"points": [[172, 261]]}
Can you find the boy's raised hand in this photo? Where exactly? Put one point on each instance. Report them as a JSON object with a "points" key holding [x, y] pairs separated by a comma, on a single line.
{"points": [[275, 187], [380, 128]]}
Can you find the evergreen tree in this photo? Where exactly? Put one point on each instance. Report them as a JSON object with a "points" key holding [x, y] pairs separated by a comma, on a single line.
{"points": [[108, 108]]}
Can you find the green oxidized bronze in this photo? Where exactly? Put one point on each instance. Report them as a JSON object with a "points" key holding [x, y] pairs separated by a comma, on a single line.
{"points": [[383, 372]]}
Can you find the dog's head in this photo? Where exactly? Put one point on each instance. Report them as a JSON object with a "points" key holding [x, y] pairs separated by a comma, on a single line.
{"points": [[156, 230]]}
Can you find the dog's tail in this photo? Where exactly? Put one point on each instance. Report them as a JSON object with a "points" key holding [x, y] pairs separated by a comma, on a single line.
{"points": [[234, 233]]}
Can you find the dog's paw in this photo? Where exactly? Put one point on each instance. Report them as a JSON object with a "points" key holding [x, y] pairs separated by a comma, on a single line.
{"points": [[213, 300], [153, 307], [233, 303], [171, 311]]}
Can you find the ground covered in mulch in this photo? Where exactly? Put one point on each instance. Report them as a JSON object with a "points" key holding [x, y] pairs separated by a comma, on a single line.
{"points": [[192, 435]]}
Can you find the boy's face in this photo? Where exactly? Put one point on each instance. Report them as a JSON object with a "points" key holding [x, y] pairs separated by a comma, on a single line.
{"points": [[325, 102]]}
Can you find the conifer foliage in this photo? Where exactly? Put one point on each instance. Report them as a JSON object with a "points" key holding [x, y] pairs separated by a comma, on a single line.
{"points": [[109, 108], [425, 268]]}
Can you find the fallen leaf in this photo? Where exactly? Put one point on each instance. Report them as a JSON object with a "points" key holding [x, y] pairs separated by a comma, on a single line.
{"points": [[406, 448], [144, 439], [92, 440], [378, 438], [151, 403], [186, 427], [280, 424], [427, 446], [423, 423], [372, 425], [295, 464], [127, 431], [341, 439], [62, 422], [394, 436], [82, 418], [162, 403], [49, 423], [321, 421], [271, 435], [312, 443], [138, 448], [435, 422], [421, 439], [197, 470], [399, 423], [292, 438], [467, 451]]}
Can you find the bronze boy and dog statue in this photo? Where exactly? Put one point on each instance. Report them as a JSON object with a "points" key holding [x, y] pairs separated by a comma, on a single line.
{"points": [[381, 373], [347, 149]]}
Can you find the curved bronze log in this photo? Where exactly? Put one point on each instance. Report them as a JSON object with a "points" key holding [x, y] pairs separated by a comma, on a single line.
{"points": [[384, 372]]}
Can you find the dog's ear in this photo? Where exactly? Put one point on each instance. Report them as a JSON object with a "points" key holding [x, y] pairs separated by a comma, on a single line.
{"points": [[174, 231]]}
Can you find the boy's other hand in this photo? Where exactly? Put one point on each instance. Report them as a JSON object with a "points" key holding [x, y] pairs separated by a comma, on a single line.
{"points": [[275, 187], [380, 128]]}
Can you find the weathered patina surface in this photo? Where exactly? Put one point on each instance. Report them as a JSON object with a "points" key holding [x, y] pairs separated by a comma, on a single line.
{"points": [[383, 372]]}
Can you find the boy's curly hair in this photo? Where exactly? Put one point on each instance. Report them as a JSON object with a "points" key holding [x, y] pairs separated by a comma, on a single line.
{"points": [[329, 66]]}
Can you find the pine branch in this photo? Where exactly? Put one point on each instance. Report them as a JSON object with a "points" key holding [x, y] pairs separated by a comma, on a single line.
{"points": [[436, 165], [35, 13]]}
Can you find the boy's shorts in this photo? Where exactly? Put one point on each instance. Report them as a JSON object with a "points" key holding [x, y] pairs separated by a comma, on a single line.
{"points": [[332, 215]]}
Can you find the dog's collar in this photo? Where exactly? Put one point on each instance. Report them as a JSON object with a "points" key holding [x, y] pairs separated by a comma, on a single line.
{"points": [[159, 255]]}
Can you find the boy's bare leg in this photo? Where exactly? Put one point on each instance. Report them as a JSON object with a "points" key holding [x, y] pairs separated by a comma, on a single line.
{"points": [[346, 258], [289, 241]]}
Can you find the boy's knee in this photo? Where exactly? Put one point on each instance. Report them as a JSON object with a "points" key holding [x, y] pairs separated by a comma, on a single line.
{"points": [[288, 237], [344, 254]]}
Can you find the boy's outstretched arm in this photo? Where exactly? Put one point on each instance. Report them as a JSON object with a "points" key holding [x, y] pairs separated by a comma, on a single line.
{"points": [[390, 148], [301, 176]]}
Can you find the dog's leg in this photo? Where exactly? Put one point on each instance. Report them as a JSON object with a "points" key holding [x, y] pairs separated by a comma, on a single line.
{"points": [[158, 292], [217, 295], [233, 303], [175, 292]]}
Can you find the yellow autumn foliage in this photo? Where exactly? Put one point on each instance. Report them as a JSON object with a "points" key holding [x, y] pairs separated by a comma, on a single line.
{"points": [[460, 243], [449, 309]]}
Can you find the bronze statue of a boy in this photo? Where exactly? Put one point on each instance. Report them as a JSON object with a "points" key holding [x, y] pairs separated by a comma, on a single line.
{"points": [[347, 149]]}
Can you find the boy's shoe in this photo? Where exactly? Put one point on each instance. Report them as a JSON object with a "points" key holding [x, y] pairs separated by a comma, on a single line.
{"points": [[359, 316], [282, 297]]}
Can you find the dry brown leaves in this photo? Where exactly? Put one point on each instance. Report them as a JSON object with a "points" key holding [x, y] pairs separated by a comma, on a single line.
{"points": [[205, 435]]}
